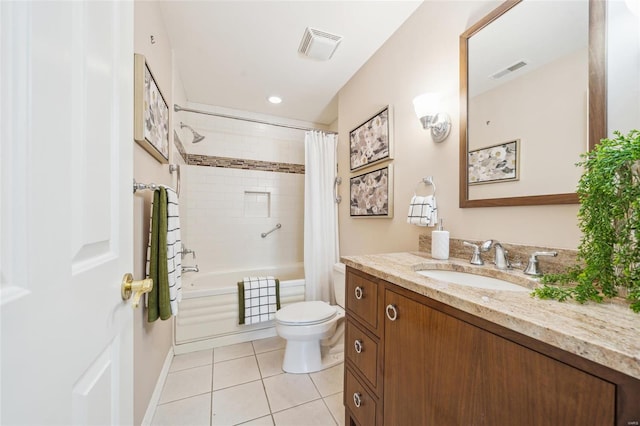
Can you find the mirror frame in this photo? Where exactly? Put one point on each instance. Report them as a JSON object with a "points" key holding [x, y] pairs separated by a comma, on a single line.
{"points": [[597, 118]]}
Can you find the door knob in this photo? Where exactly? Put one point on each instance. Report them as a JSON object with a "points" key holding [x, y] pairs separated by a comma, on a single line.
{"points": [[138, 288]]}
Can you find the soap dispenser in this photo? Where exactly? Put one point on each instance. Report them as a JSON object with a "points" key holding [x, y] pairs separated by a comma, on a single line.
{"points": [[440, 243]]}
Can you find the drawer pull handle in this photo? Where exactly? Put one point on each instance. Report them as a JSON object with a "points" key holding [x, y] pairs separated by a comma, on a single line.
{"points": [[392, 312], [358, 292], [358, 346], [357, 399]]}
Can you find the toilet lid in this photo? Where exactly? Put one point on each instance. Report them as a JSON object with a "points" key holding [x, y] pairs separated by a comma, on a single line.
{"points": [[306, 313]]}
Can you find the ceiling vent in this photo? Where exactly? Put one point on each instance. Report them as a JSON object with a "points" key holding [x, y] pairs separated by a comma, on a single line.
{"points": [[319, 44], [508, 70]]}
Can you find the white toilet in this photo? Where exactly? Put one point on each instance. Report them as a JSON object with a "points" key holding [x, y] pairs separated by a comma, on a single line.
{"points": [[314, 331]]}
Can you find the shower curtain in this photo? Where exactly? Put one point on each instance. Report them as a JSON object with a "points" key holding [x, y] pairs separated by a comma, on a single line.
{"points": [[320, 215]]}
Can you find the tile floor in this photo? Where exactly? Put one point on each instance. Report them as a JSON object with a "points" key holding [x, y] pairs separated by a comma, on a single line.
{"points": [[244, 384]]}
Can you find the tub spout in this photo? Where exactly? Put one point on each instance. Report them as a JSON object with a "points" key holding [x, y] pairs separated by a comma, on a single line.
{"points": [[190, 269]]}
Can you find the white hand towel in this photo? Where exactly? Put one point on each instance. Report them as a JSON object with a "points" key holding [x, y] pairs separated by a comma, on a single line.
{"points": [[260, 299], [423, 211], [174, 250]]}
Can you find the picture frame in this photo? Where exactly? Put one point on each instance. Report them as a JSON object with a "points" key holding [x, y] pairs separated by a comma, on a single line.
{"points": [[371, 194], [494, 164], [372, 141], [151, 112]]}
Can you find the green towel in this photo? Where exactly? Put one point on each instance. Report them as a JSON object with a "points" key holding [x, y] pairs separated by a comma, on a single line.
{"points": [[159, 299]]}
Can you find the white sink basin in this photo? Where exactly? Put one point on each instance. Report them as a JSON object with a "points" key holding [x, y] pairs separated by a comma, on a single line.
{"points": [[472, 280]]}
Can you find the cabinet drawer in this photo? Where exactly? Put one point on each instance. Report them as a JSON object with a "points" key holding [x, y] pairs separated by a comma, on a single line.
{"points": [[355, 394], [362, 298], [363, 352]]}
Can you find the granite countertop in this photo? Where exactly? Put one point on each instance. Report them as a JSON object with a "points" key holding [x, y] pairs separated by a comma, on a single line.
{"points": [[606, 333]]}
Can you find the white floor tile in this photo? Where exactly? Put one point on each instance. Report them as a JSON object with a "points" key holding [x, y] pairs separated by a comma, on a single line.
{"points": [[186, 383], [336, 406], [194, 411], [269, 344], [240, 396], [329, 381], [288, 390], [270, 363], [190, 360], [313, 413], [226, 353], [235, 372], [239, 404], [262, 421]]}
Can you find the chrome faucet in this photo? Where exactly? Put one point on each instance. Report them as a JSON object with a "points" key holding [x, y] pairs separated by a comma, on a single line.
{"points": [[533, 268], [186, 251], [500, 256], [476, 259]]}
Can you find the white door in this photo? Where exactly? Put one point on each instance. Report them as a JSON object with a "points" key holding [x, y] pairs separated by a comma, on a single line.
{"points": [[66, 212]]}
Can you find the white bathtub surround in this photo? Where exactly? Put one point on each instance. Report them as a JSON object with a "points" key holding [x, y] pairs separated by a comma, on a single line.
{"points": [[209, 308], [226, 210], [320, 215]]}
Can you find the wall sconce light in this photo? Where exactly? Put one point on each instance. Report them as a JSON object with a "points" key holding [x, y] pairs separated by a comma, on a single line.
{"points": [[426, 107]]}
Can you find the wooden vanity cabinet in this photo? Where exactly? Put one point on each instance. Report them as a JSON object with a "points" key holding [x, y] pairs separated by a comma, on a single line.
{"points": [[363, 350], [440, 366]]}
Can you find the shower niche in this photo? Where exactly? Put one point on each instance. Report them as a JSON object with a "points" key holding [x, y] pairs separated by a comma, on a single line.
{"points": [[257, 204]]}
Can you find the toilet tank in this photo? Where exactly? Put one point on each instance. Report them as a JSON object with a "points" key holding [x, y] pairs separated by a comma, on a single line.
{"points": [[339, 283]]}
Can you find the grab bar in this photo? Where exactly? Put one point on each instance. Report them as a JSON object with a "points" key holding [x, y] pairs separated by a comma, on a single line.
{"points": [[176, 168], [337, 181], [264, 234]]}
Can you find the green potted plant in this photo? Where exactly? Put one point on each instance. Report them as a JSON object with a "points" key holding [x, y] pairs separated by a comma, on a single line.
{"points": [[609, 218]]}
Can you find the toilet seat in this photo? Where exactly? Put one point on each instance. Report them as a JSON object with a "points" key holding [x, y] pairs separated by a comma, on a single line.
{"points": [[306, 313]]}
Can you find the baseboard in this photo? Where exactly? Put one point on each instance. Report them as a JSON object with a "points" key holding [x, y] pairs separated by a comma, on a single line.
{"points": [[230, 339], [155, 396]]}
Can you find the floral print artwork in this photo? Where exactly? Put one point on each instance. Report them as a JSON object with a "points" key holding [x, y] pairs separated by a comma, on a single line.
{"points": [[156, 116], [370, 142], [370, 194], [493, 164]]}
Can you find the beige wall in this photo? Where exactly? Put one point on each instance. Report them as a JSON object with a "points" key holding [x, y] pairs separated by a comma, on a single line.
{"points": [[423, 56], [152, 341]]}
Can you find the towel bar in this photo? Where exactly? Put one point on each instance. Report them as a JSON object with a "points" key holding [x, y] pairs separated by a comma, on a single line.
{"points": [[428, 180], [137, 186]]}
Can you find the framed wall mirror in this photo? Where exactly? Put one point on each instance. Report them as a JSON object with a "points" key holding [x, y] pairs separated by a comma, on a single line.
{"points": [[531, 71]]}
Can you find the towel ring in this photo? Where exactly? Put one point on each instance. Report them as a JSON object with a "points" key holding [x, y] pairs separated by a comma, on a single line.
{"points": [[427, 181]]}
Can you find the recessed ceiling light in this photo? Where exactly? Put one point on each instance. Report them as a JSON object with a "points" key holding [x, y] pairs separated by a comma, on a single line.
{"points": [[275, 99]]}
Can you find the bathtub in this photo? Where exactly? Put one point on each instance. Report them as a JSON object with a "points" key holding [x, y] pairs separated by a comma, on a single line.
{"points": [[208, 313]]}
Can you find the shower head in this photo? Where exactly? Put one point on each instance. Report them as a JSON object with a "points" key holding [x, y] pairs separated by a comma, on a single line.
{"points": [[197, 137]]}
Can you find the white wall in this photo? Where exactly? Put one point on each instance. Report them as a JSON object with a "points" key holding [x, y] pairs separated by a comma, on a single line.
{"points": [[227, 209]]}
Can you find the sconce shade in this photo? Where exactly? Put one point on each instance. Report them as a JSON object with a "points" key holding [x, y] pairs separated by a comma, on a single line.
{"points": [[426, 104], [426, 107]]}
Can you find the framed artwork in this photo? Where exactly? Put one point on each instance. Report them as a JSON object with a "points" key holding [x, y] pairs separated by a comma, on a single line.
{"points": [[371, 193], [371, 142], [497, 163], [151, 112]]}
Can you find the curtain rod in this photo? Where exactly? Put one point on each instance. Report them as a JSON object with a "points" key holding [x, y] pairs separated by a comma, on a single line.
{"points": [[177, 108]]}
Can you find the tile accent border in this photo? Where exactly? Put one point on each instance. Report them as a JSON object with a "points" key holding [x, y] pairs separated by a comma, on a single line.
{"points": [[240, 163], [517, 253]]}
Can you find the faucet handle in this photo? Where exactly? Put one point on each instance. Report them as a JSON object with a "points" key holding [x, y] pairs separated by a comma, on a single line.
{"points": [[186, 251], [533, 268], [476, 259]]}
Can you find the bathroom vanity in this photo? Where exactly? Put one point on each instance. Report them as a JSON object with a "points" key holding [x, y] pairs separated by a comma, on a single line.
{"points": [[422, 351]]}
